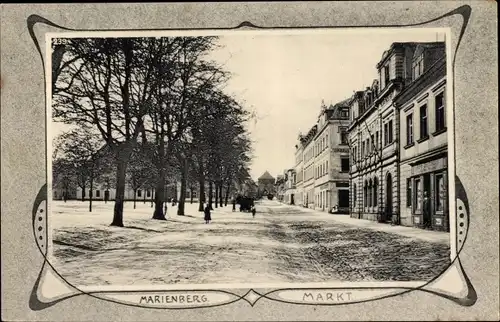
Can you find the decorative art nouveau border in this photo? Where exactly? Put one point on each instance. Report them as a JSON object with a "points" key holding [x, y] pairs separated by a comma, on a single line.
{"points": [[51, 288]]}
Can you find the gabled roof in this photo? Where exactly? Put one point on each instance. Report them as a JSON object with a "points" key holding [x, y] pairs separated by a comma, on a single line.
{"points": [[266, 176]]}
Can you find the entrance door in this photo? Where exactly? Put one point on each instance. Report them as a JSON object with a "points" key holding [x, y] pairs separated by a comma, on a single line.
{"points": [[388, 200], [292, 199], [426, 209], [344, 199]]}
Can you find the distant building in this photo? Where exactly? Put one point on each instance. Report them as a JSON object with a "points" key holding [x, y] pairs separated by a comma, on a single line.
{"points": [[290, 185], [266, 183], [322, 161]]}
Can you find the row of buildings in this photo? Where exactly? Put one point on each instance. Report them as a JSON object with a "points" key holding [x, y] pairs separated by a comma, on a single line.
{"points": [[381, 154]]}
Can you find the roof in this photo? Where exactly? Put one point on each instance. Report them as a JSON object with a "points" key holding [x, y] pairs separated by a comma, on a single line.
{"points": [[266, 176]]}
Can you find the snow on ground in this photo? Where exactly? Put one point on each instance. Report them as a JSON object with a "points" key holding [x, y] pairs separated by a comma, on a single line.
{"points": [[282, 244]]}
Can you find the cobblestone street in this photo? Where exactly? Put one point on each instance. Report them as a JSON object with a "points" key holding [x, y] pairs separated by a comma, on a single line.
{"points": [[283, 244]]}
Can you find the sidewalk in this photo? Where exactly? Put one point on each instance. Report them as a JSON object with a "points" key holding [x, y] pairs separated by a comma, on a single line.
{"points": [[412, 232]]}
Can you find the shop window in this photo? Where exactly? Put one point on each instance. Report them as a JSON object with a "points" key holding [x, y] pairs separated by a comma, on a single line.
{"points": [[408, 193], [440, 116], [409, 129], [418, 194], [424, 129], [440, 193], [344, 163]]}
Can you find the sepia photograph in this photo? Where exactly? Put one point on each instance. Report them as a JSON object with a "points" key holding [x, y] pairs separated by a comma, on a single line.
{"points": [[250, 157]]}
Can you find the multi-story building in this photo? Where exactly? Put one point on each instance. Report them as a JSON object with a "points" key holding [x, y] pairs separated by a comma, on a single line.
{"points": [[331, 158], [290, 182], [265, 184], [299, 198], [375, 136], [322, 161], [309, 167], [424, 145]]}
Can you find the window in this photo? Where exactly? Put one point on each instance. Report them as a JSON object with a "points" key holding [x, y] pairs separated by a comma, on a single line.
{"points": [[326, 141], [424, 131], [344, 162], [417, 194], [386, 133], [365, 194], [386, 75], [375, 194], [390, 131], [148, 193], [368, 146], [343, 135], [344, 113], [373, 142], [327, 167], [98, 193], [376, 140], [408, 192], [440, 118], [409, 129], [440, 193], [139, 193], [370, 188], [418, 67]]}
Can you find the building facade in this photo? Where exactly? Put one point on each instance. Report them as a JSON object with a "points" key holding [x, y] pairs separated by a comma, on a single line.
{"points": [[299, 172], [374, 139], [424, 144], [322, 162], [266, 185], [395, 163], [290, 185]]}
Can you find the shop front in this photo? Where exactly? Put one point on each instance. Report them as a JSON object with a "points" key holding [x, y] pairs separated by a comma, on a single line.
{"points": [[429, 179]]}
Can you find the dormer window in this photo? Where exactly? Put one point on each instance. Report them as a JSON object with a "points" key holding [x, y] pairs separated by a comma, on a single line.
{"points": [[418, 66], [386, 75]]}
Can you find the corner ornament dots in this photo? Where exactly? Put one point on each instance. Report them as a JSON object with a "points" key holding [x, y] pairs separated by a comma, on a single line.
{"points": [[51, 288]]}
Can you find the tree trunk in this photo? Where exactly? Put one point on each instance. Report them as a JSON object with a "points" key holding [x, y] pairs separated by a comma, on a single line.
{"points": [[152, 196], [227, 193], [91, 194], [191, 189], [83, 194], [182, 197], [221, 198], [145, 193], [160, 196], [216, 195], [201, 198], [210, 195], [121, 169], [135, 195]]}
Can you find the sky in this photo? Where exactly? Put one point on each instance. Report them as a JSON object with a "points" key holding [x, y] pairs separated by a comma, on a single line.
{"points": [[284, 77]]}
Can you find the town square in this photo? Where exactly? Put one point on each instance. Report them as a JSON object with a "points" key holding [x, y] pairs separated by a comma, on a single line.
{"points": [[250, 158]]}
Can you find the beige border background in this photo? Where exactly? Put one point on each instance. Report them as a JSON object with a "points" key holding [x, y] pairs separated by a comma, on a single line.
{"points": [[23, 150]]}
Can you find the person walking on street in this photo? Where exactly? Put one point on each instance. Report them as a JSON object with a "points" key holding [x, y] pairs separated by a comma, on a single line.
{"points": [[208, 217], [253, 211], [234, 204]]}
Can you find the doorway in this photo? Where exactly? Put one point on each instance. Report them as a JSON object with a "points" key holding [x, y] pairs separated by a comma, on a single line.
{"points": [[426, 207], [292, 199], [343, 198], [388, 200]]}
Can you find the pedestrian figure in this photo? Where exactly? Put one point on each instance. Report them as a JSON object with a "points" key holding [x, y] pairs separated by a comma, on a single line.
{"points": [[207, 214], [426, 211], [234, 204], [253, 212]]}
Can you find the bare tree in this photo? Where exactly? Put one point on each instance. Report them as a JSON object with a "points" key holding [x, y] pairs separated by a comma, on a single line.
{"points": [[105, 85]]}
